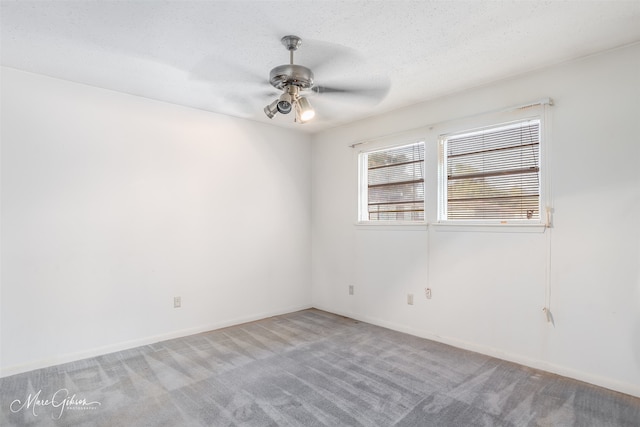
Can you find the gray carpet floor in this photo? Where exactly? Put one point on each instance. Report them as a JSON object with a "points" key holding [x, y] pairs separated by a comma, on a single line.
{"points": [[308, 368]]}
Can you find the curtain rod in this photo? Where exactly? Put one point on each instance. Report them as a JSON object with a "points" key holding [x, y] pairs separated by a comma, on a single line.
{"points": [[542, 101]]}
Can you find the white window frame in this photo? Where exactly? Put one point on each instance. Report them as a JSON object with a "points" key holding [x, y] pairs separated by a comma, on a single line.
{"points": [[534, 111], [363, 184]]}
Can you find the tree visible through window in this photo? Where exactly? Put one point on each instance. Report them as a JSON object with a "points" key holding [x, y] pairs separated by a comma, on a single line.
{"points": [[394, 189], [492, 174]]}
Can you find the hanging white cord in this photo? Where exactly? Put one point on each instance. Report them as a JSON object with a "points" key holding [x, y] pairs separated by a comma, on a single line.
{"points": [[548, 216], [428, 261], [547, 279]]}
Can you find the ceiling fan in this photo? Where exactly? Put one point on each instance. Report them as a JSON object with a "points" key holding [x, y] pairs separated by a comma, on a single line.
{"points": [[296, 81]]}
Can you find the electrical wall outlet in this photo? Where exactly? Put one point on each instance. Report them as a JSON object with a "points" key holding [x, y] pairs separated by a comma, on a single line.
{"points": [[177, 302], [410, 299], [350, 289], [427, 293]]}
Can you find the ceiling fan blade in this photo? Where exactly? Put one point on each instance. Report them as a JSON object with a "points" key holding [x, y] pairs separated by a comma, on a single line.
{"points": [[375, 93], [321, 57], [216, 69]]}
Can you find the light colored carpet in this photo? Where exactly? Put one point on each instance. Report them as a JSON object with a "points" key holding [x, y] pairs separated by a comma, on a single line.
{"points": [[308, 368]]}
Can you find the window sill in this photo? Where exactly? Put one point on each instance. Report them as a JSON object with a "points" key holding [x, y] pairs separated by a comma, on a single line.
{"points": [[513, 227], [391, 225]]}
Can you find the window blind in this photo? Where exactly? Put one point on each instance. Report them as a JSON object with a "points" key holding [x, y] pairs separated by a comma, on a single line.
{"points": [[395, 183], [494, 173]]}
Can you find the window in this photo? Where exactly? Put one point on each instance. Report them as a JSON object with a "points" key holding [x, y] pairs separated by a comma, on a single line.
{"points": [[491, 174], [392, 184]]}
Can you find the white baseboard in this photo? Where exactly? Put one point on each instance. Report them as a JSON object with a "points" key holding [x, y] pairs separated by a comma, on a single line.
{"points": [[611, 384], [111, 348]]}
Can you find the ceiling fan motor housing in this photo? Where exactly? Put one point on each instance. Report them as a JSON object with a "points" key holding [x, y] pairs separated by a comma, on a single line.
{"points": [[291, 75]]}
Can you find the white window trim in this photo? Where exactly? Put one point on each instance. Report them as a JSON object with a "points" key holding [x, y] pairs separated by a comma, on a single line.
{"points": [[535, 227], [362, 182], [430, 134], [532, 111]]}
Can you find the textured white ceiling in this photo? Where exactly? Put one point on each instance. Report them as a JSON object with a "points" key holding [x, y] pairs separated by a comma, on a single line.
{"points": [[216, 55]]}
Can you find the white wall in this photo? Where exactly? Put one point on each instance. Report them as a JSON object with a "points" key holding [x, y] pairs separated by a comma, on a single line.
{"points": [[489, 287], [114, 204]]}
